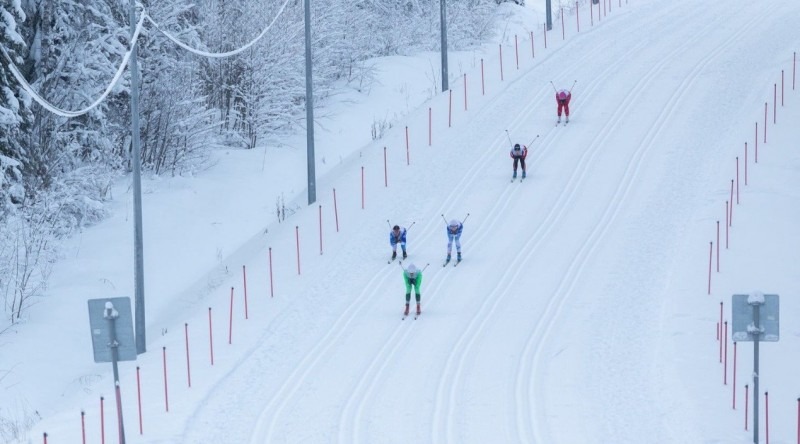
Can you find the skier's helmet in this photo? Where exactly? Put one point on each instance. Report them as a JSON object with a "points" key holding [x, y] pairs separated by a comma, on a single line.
{"points": [[396, 228], [517, 147], [562, 95], [412, 270], [453, 223]]}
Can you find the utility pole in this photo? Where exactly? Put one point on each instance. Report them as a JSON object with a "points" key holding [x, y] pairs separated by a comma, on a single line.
{"points": [[136, 160], [312, 186], [443, 15]]}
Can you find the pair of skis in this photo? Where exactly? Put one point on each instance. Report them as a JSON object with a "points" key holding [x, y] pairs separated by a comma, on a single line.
{"points": [[394, 258], [455, 264], [416, 315]]}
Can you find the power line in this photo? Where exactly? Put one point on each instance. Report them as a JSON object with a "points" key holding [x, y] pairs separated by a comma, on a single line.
{"points": [[218, 54], [67, 113]]}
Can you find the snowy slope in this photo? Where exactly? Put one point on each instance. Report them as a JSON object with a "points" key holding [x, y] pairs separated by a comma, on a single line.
{"points": [[579, 313]]}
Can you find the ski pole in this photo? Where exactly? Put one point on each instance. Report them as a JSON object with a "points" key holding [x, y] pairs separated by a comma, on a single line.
{"points": [[412, 224], [534, 140], [423, 268], [554, 86], [573, 86], [445, 220], [509, 138], [465, 219]]}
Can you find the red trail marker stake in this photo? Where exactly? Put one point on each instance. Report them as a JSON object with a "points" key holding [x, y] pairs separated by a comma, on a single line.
{"points": [[737, 180], [244, 280], [734, 376], [746, 404], [210, 337], [188, 362], [710, 256], [756, 145], [320, 232], [533, 50], [483, 83], [336, 208], [563, 31], [83, 427], [766, 416], [102, 422], [501, 63], [139, 398], [717, 246], [362, 194], [725, 367], [726, 225], [450, 109], [430, 126], [730, 221], [230, 320], [297, 232], [465, 91], [271, 285], [544, 27], [516, 50], [166, 391]]}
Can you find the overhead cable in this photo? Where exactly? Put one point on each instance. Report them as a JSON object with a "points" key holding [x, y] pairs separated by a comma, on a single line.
{"points": [[219, 54], [67, 113]]}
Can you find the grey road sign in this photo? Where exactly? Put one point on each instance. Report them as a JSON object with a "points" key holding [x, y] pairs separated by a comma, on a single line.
{"points": [[745, 327], [118, 310]]}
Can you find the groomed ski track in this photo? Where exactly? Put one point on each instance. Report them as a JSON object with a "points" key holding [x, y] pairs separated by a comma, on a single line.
{"points": [[537, 254]]}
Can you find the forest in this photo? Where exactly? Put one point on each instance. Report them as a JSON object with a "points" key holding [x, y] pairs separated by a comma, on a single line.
{"points": [[211, 74]]}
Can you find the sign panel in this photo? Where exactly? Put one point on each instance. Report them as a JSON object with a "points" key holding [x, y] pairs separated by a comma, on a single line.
{"points": [[100, 324], [743, 325]]}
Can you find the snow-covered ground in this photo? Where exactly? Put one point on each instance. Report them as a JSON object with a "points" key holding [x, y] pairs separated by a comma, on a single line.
{"points": [[581, 312]]}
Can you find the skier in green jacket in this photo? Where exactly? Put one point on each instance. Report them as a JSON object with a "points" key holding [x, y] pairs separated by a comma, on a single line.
{"points": [[413, 278]]}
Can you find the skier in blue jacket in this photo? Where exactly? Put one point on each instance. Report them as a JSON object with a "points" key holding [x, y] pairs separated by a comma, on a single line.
{"points": [[398, 236], [454, 229]]}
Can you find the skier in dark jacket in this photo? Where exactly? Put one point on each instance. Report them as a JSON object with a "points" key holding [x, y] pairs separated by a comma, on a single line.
{"points": [[413, 280], [519, 153], [398, 236]]}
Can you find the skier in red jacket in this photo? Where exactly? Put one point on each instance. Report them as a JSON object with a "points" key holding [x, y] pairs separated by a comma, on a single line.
{"points": [[562, 98]]}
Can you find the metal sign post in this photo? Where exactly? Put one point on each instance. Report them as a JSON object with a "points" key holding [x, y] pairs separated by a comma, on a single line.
{"points": [[113, 340], [756, 318]]}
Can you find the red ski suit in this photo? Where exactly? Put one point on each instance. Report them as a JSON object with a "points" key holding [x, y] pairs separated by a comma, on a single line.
{"points": [[562, 98]]}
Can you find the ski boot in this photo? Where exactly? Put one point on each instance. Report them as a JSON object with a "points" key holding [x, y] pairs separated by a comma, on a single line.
{"points": [[514, 176], [458, 257], [419, 309], [404, 254], [567, 119], [394, 255], [559, 120], [523, 174], [405, 313]]}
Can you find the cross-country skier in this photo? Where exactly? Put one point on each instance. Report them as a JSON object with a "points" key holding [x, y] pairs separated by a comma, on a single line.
{"points": [[454, 229], [562, 98], [398, 236], [519, 153], [412, 278]]}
